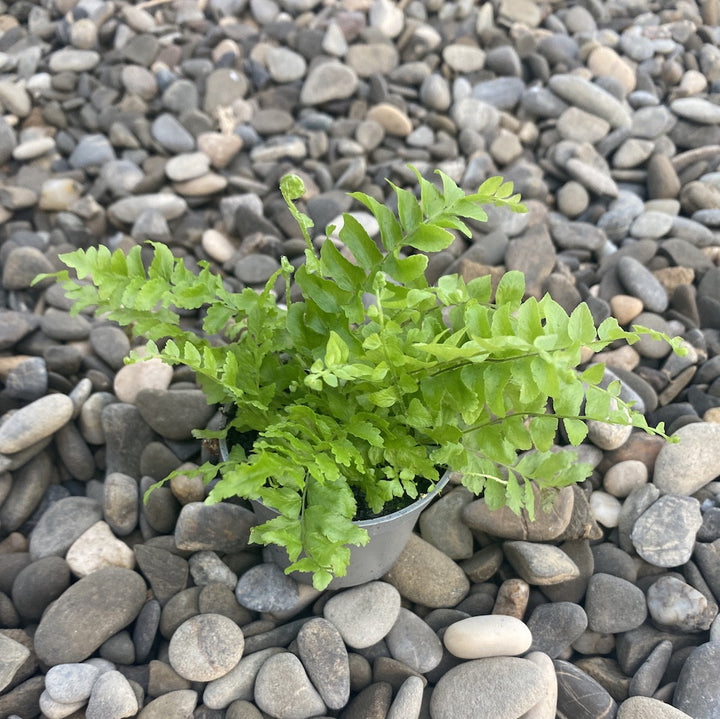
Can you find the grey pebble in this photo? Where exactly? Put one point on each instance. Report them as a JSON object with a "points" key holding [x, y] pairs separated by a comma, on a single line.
{"points": [[205, 647], [414, 643], [365, 614], [39, 584], [282, 686], [120, 503], [34, 422], [613, 604], [166, 572], [326, 662], [555, 626], [112, 697], [174, 413], [71, 682], [179, 704], [238, 683], [640, 282], [28, 381], [647, 678], [62, 524], [103, 602], [698, 685], [217, 527], [664, 534], [580, 696], [126, 434], [504, 687]]}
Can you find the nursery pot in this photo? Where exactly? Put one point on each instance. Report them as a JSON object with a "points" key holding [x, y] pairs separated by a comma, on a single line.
{"points": [[388, 536]]}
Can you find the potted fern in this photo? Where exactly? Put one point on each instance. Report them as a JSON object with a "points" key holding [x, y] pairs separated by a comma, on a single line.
{"points": [[357, 397]]}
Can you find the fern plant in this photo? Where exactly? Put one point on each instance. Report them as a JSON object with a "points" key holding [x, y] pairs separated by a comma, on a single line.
{"points": [[353, 400]]}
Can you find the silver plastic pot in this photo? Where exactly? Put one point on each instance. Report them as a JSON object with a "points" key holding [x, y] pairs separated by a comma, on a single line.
{"points": [[388, 536]]}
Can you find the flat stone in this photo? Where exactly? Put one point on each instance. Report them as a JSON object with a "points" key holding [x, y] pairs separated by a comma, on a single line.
{"points": [[591, 98], [441, 525], [179, 703], [648, 708], [365, 614], [555, 626], [73, 60], [14, 656], [674, 605], [325, 659], [98, 548], [540, 564], [497, 686], [131, 378], [71, 682], [489, 635], [239, 682], [664, 534], [216, 527], [92, 150], [102, 603], [120, 502], [408, 699], [206, 647], [692, 462], [128, 209], [166, 572], [112, 697], [425, 575], [505, 524], [393, 120], [414, 643], [126, 435], [580, 696], [174, 414], [28, 486], [34, 422], [39, 584], [647, 678], [641, 283], [168, 131], [328, 81], [266, 588], [613, 605], [61, 524], [283, 689], [698, 684]]}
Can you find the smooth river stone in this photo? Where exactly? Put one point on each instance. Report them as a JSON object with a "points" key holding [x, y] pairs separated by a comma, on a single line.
{"points": [[128, 209], [34, 422], [591, 98], [206, 647], [364, 615], [489, 635], [101, 604], [493, 687], [692, 462]]}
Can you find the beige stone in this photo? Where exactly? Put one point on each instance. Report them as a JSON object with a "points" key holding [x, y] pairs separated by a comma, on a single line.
{"points": [[392, 119], [150, 374], [489, 635], [98, 548]]}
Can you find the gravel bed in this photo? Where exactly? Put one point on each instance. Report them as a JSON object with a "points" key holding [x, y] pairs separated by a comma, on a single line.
{"points": [[173, 120]]}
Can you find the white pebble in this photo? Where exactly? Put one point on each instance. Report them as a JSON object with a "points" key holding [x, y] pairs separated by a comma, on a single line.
{"points": [[491, 635], [605, 508]]}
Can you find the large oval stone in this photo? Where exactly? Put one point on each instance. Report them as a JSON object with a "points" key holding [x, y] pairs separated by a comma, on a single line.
{"points": [[87, 614], [684, 467], [497, 686], [34, 422], [427, 576]]}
